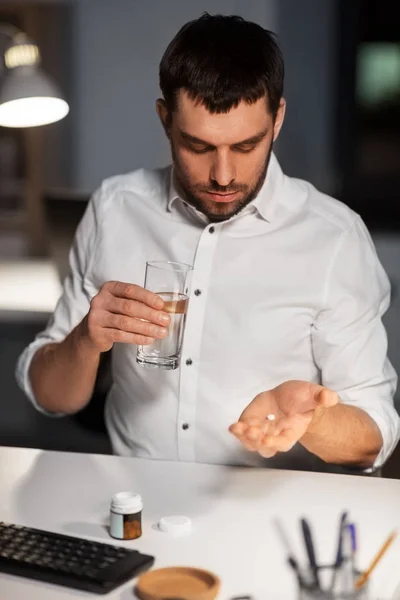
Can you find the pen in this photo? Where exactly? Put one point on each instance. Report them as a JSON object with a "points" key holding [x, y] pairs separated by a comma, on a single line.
{"points": [[353, 537], [291, 559], [343, 519], [293, 563], [343, 582], [283, 537], [308, 541], [338, 559]]}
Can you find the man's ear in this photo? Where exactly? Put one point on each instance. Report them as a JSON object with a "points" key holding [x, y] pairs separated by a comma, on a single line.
{"points": [[280, 115], [163, 115]]}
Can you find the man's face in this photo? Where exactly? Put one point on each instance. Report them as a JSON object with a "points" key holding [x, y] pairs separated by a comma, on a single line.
{"points": [[220, 160]]}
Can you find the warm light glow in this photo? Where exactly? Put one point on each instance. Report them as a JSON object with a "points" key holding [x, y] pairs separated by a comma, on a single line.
{"points": [[32, 112]]}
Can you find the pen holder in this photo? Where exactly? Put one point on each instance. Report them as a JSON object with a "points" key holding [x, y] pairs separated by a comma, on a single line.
{"points": [[332, 585]]}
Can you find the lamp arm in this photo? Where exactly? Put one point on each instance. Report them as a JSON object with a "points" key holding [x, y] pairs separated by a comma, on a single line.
{"points": [[9, 30]]}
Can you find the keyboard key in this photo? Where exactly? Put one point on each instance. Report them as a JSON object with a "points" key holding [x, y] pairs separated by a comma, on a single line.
{"points": [[66, 560]]}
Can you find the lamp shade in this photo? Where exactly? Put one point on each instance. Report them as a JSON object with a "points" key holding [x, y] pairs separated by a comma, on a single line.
{"points": [[28, 98]]}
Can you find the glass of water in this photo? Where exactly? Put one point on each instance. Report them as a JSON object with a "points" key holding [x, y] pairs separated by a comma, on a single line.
{"points": [[171, 281]]}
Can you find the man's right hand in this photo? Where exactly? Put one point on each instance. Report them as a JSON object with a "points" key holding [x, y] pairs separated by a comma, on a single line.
{"points": [[124, 312]]}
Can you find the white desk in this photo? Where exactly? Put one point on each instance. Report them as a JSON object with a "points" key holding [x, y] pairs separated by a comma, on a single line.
{"points": [[232, 511]]}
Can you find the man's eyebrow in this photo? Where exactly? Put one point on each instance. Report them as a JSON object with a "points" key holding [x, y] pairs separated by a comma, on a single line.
{"points": [[252, 140]]}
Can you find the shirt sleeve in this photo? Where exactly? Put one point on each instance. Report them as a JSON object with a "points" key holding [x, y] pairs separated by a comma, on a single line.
{"points": [[349, 339], [74, 302]]}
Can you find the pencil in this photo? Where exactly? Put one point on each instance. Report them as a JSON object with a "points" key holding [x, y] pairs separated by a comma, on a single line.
{"points": [[363, 578]]}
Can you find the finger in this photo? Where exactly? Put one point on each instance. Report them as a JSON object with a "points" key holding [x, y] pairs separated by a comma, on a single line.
{"points": [[327, 398], [238, 429], [133, 308], [130, 325], [281, 443], [124, 337], [253, 431], [134, 292], [248, 445], [253, 434], [266, 452]]}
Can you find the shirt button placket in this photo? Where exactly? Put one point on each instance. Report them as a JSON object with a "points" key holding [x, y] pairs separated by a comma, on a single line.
{"points": [[192, 343]]}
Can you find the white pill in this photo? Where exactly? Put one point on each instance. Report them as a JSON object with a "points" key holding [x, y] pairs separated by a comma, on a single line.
{"points": [[271, 417]]}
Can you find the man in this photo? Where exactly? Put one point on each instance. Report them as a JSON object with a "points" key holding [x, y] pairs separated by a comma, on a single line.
{"points": [[287, 296]]}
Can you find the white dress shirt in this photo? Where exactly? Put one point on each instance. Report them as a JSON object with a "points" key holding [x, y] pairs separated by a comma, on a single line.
{"points": [[290, 288]]}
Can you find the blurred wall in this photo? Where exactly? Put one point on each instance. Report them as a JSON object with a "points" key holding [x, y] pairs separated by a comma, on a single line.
{"points": [[116, 49], [308, 35]]}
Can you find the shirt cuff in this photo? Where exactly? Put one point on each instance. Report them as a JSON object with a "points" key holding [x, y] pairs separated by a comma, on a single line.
{"points": [[390, 432], [22, 375]]}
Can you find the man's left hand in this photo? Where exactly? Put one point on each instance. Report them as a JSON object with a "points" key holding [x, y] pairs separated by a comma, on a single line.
{"points": [[294, 404]]}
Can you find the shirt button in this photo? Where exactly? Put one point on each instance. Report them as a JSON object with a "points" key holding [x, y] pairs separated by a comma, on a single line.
{"points": [[185, 426], [197, 292], [189, 362], [211, 230]]}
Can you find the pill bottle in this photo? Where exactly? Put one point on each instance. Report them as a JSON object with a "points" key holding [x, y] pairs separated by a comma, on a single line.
{"points": [[126, 516]]}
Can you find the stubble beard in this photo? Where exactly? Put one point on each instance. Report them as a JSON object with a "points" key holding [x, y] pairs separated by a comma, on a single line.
{"points": [[215, 211]]}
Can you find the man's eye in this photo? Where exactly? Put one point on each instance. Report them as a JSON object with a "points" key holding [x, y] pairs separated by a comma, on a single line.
{"points": [[245, 148], [199, 149]]}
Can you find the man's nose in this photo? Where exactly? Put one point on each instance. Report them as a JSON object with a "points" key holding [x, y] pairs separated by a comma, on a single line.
{"points": [[223, 171]]}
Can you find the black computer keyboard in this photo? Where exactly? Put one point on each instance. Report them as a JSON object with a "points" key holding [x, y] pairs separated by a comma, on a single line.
{"points": [[67, 560]]}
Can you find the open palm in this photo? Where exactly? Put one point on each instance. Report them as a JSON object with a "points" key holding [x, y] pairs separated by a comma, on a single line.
{"points": [[293, 405]]}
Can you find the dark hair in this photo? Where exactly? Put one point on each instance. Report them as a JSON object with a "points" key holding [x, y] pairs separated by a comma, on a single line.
{"points": [[220, 61]]}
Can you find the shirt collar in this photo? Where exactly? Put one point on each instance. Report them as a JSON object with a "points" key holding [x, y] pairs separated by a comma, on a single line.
{"points": [[265, 202]]}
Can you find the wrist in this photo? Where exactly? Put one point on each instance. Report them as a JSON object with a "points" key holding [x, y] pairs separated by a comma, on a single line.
{"points": [[316, 421], [82, 342]]}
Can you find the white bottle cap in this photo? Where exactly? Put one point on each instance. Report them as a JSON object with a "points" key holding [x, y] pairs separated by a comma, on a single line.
{"points": [[175, 525], [126, 503]]}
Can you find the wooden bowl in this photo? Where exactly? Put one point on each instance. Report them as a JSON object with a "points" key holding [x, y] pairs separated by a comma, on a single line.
{"points": [[178, 583]]}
